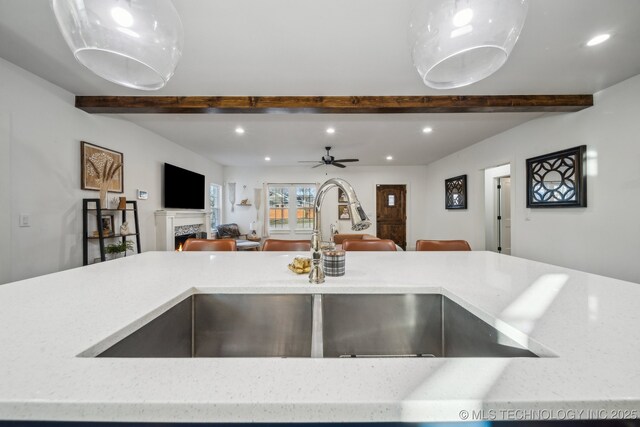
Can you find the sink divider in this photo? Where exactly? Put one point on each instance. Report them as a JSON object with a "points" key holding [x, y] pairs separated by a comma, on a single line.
{"points": [[317, 344], [193, 326]]}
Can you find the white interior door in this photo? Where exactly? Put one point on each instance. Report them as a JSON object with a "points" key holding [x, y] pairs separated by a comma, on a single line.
{"points": [[505, 214]]}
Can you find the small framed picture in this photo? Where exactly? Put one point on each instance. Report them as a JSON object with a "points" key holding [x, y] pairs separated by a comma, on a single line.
{"points": [[143, 195], [342, 197], [343, 212], [107, 225]]}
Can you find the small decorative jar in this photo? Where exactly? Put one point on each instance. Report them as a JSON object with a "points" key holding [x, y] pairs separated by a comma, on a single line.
{"points": [[333, 263]]}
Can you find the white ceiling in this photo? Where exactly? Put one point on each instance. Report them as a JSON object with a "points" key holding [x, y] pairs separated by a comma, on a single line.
{"points": [[336, 47]]}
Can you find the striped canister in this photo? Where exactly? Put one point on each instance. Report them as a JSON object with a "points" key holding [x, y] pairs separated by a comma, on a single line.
{"points": [[333, 263]]}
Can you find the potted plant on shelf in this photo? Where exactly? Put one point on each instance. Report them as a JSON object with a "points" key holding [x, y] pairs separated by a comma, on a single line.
{"points": [[115, 250]]}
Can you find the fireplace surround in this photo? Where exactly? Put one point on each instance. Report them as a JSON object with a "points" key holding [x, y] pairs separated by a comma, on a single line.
{"points": [[170, 224]]}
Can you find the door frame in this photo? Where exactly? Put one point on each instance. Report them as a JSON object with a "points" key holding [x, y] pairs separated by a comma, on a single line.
{"points": [[411, 243], [490, 202], [499, 194]]}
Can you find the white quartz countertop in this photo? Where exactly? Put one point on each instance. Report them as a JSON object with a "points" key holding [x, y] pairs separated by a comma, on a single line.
{"points": [[589, 323]]}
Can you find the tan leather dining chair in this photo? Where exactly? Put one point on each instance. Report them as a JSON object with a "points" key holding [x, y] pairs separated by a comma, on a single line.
{"points": [[286, 245], [209, 245], [369, 245], [442, 245]]}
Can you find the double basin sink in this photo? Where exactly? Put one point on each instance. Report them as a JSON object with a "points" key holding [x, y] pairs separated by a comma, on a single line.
{"points": [[320, 325]]}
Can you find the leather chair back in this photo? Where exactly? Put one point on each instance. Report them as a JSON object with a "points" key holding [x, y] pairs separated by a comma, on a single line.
{"points": [[442, 245], [286, 245], [369, 245], [228, 231], [339, 238], [209, 245]]}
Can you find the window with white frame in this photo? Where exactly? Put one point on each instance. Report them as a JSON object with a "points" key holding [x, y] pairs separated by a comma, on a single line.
{"points": [[215, 202], [291, 207], [305, 196]]}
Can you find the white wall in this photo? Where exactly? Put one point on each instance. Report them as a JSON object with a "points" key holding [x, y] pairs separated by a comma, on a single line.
{"points": [[603, 238], [362, 178], [45, 134], [5, 199]]}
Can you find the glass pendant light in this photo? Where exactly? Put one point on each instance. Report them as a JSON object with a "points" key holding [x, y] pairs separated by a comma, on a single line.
{"points": [[459, 42], [134, 43]]}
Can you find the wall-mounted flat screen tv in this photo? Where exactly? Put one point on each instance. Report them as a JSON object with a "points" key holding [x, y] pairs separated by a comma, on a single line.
{"points": [[183, 189]]}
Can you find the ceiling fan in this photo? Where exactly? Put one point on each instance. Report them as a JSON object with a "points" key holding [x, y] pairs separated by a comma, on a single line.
{"points": [[328, 159]]}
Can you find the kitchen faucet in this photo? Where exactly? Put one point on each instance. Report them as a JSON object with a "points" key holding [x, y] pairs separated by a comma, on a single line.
{"points": [[359, 221]]}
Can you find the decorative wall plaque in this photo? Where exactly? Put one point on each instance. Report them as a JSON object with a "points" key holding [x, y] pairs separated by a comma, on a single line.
{"points": [[455, 192], [558, 180]]}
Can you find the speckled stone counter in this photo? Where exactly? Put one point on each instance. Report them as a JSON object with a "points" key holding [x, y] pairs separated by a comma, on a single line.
{"points": [[590, 324]]}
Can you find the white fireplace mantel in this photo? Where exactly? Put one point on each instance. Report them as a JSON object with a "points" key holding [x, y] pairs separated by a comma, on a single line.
{"points": [[167, 221]]}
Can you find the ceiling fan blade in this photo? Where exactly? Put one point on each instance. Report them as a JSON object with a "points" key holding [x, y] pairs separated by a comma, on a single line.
{"points": [[319, 164], [309, 161], [338, 165], [347, 160]]}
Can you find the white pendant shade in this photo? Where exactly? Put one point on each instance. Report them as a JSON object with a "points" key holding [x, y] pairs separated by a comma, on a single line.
{"points": [[134, 43], [458, 42]]}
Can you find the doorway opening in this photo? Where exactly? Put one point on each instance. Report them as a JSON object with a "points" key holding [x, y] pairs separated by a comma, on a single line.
{"points": [[497, 191], [391, 213]]}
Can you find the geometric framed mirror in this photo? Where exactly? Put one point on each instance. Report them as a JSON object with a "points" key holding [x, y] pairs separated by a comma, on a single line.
{"points": [[455, 192], [558, 180]]}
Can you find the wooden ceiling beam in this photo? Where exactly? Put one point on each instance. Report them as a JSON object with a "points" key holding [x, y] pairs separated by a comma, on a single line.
{"points": [[332, 104]]}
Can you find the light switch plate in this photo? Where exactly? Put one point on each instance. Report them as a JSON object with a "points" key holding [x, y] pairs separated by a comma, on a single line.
{"points": [[24, 220]]}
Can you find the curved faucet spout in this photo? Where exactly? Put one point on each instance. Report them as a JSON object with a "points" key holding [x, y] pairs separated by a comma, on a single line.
{"points": [[359, 221]]}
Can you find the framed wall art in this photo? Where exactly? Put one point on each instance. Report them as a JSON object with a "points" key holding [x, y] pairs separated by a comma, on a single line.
{"points": [[343, 212], [455, 192], [342, 197], [99, 164], [558, 180]]}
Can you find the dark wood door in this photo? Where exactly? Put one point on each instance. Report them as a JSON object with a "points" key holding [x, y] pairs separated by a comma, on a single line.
{"points": [[391, 213]]}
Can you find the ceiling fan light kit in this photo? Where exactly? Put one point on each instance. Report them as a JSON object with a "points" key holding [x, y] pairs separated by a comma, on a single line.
{"points": [[458, 42], [134, 43]]}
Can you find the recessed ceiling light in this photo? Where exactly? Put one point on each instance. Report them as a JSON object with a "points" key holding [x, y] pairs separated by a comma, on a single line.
{"points": [[331, 130], [463, 17], [268, 159], [389, 157], [122, 16], [239, 130], [600, 38], [461, 31], [427, 130], [129, 32]]}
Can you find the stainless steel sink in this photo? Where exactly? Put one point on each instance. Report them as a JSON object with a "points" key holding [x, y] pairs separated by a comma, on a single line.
{"points": [[225, 325], [329, 325], [408, 325]]}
